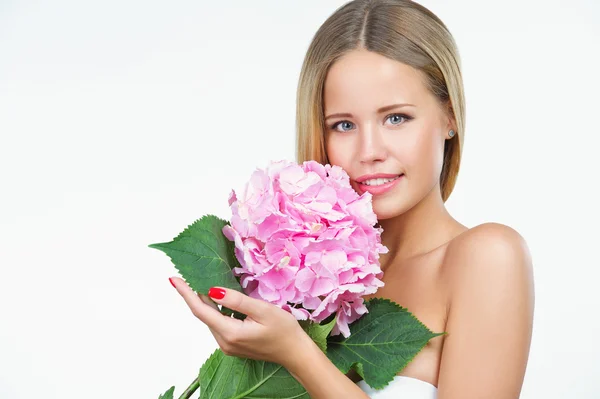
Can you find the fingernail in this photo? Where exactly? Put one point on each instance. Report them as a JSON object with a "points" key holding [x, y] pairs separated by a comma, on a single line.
{"points": [[172, 283], [216, 293]]}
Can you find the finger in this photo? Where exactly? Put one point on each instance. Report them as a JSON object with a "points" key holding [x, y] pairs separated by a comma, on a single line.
{"points": [[210, 302], [257, 309], [210, 316]]}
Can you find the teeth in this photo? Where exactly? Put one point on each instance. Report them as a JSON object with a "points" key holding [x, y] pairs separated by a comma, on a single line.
{"points": [[378, 182]]}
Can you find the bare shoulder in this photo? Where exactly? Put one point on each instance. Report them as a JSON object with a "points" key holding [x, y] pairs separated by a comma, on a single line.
{"points": [[486, 247], [488, 274]]}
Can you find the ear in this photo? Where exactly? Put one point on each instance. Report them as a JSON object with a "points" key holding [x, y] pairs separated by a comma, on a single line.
{"points": [[450, 120]]}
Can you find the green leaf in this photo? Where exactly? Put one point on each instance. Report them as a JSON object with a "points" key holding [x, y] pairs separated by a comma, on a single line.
{"points": [[168, 394], [381, 343], [230, 377], [318, 332], [203, 255]]}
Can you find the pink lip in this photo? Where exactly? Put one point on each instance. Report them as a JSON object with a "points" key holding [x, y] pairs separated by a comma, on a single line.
{"points": [[377, 190]]}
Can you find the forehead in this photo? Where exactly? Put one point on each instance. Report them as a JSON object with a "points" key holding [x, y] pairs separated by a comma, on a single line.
{"points": [[364, 78]]}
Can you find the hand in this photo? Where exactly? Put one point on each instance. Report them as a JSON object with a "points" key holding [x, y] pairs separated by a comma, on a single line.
{"points": [[268, 332]]}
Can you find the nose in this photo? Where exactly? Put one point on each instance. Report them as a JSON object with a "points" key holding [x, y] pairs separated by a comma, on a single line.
{"points": [[372, 144]]}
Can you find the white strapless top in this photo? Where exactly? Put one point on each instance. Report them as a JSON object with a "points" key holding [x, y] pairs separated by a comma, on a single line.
{"points": [[401, 387]]}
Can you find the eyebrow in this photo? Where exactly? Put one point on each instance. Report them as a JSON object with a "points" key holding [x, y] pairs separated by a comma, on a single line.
{"points": [[379, 111]]}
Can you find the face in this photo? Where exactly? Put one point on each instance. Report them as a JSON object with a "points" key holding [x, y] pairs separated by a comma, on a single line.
{"points": [[385, 129]]}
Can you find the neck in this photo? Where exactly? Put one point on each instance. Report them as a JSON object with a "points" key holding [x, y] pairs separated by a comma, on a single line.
{"points": [[419, 230]]}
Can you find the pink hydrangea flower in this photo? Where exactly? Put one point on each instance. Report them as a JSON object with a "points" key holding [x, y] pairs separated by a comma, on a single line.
{"points": [[306, 241]]}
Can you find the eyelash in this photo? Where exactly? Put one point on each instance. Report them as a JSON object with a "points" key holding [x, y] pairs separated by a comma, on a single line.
{"points": [[406, 119]]}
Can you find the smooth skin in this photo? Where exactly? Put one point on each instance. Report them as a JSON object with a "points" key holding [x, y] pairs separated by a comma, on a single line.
{"points": [[474, 283]]}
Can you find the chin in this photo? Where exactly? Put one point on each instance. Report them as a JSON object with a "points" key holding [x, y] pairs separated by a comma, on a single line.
{"points": [[387, 208]]}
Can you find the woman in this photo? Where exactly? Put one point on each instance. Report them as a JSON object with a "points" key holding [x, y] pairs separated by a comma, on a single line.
{"points": [[381, 95]]}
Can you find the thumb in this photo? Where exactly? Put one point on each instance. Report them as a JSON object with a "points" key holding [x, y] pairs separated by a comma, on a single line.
{"points": [[257, 309]]}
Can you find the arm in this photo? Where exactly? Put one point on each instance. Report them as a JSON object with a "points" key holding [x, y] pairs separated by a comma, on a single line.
{"points": [[491, 315], [319, 376]]}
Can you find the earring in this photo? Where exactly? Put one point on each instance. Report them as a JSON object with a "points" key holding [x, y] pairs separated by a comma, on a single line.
{"points": [[451, 133]]}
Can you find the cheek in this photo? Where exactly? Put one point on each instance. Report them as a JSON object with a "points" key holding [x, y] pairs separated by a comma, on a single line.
{"points": [[424, 156], [339, 152]]}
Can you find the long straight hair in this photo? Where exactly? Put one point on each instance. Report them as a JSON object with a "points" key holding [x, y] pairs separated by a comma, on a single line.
{"points": [[401, 30]]}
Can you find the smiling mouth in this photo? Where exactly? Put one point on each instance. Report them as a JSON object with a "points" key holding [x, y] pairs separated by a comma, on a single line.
{"points": [[377, 185], [379, 181]]}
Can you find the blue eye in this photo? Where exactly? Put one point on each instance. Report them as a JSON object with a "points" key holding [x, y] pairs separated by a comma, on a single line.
{"points": [[396, 117], [335, 125], [403, 116]]}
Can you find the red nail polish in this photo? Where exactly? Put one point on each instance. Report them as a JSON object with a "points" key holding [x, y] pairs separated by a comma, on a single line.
{"points": [[216, 293], [172, 283]]}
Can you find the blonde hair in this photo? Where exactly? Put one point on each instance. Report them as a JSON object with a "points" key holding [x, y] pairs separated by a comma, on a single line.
{"points": [[401, 30]]}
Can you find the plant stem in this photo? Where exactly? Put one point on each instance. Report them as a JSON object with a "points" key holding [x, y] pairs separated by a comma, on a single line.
{"points": [[191, 389]]}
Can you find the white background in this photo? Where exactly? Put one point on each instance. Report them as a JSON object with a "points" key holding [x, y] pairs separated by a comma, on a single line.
{"points": [[124, 121]]}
